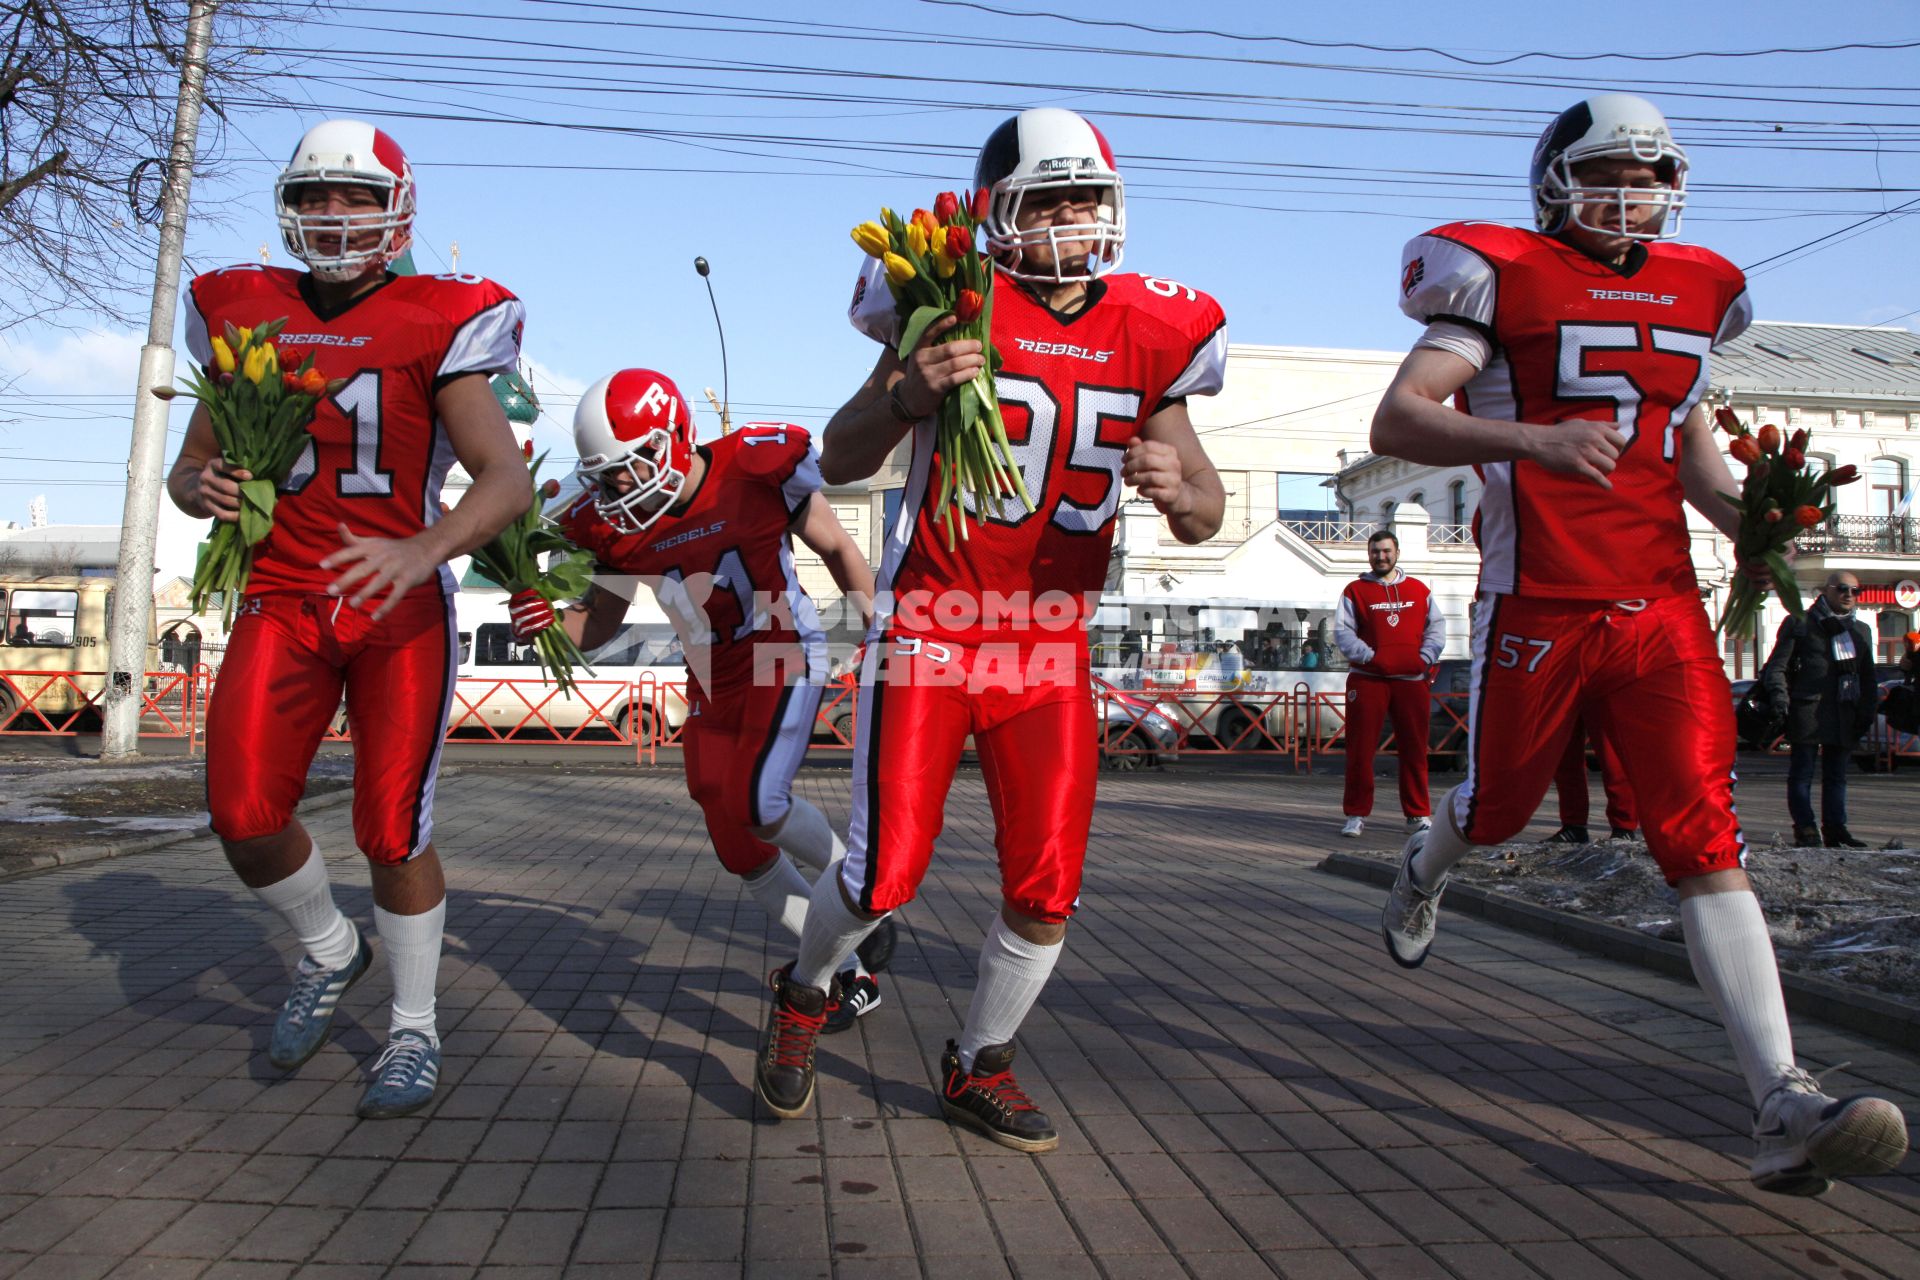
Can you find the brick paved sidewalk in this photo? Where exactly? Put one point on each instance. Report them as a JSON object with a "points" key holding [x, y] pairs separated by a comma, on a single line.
{"points": [[1244, 1085]]}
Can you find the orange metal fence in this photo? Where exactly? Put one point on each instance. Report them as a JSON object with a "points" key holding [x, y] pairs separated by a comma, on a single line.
{"points": [[60, 702]]}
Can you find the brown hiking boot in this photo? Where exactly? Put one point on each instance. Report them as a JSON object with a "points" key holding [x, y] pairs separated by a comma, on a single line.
{"points": [[989, 1100], [784, 1075]]}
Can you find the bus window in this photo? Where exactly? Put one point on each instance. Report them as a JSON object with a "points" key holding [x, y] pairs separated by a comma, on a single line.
{"points": [[498, 648], [42, 618], [466, 647]]}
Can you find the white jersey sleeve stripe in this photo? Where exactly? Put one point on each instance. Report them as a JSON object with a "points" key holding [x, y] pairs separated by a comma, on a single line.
{"points": [[1206, 373], [486, 343], [803, 483], [872, 311], [1465, 341], [1442, 279], [1734, 323]]}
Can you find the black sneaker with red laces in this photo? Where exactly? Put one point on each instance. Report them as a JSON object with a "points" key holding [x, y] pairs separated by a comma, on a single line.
{"points": [[784, 1075], [989, 1100]]}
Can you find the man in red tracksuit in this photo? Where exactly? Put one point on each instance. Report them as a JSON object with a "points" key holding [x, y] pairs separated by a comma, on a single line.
{"points": [[1392, 635], [1570, 782]]}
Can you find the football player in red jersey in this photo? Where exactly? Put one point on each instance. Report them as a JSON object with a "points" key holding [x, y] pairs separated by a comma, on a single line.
{"points": [[351, 589], [988, 637], [709, 528], [1576, 355]]}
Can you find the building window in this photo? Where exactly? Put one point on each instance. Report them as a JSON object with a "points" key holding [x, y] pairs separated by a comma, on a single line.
{"points": [[1886, 485], [1386, 513], [1457, 502]]}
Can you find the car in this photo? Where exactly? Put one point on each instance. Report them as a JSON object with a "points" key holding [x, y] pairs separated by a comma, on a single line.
{"points": [[1134, 729]]}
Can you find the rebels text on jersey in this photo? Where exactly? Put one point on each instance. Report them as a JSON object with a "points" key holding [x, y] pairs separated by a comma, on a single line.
{"points": [[722, 565], [1073, 390], [1573, 338], [379, 453]]}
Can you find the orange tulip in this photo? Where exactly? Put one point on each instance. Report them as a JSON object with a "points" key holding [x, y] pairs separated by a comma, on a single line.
{"points": [[1745, 449], [1770, 438], [1807, 517], [966, 308]]}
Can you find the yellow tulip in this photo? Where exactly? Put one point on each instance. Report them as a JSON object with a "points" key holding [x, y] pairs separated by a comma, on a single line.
{"points": [[256, 366], [917, 238], [937, 240], [899, 270], [246, 334], [872, 238], [943, 266], [222, 355]]}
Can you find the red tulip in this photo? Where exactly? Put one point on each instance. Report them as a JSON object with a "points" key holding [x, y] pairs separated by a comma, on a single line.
{"points": [[1807, 517], [1794, 458], [1770, 438], [1798, 440], [290, 380], [549, 491], [966, 308], [1773, 515], [1745, 449], [959, 243], [982, 204], [1729, 421], [1844, 475], [526, 450], [945, 205]]}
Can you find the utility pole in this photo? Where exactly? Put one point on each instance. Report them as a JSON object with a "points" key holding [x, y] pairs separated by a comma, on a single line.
{"points": [[133, 592]]}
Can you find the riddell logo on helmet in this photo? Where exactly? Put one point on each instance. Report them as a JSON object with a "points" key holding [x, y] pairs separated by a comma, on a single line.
{"points": [[1066, 164]]}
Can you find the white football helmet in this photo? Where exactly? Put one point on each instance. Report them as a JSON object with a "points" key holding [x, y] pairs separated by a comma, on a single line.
{"points": [[1608, 126], [1049, 148], [634, 416], [346, 151]]}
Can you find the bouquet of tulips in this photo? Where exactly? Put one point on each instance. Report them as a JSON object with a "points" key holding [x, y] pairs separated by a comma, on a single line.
{"points": [[1778, 499], [260, 414], [934, 270], [512, 560]]}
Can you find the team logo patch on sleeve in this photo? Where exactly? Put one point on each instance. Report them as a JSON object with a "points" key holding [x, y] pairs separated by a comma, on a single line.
{"points": [[1410, 278]]}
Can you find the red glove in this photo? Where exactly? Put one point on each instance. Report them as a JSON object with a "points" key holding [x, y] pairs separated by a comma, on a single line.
{"points": [[530, 613]]}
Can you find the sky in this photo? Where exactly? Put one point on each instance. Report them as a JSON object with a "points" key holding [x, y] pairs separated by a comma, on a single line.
{"points": [[583, 154]]}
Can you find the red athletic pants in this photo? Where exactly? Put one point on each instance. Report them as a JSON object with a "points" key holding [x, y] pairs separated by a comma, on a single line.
{"points": [[1370, 701]]}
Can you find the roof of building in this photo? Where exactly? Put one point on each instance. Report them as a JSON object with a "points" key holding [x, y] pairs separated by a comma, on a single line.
{"points": [[1777, 358]]}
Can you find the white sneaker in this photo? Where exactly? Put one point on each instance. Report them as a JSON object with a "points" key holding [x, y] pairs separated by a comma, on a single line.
{"points": [[1352, 828], [1806, 1138], [1419, 824], [1409, 920]]}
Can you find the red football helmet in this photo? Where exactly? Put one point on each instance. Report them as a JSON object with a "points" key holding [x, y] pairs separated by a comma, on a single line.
{"points": [[1042, 149], [356, 154], [635, 435]]}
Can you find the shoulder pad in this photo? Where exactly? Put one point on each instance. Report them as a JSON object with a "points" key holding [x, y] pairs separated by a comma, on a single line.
{"points": [[872, 311], [1452, 272]]}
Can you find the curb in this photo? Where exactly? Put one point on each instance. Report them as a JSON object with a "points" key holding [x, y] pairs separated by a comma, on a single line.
{"points": [[34, 864], [1878, 1016]]}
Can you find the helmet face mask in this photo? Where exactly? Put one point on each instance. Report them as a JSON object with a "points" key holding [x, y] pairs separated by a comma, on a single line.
{"points": [[1609, 127], [635, 435], [1044, 151], [339, 245]]}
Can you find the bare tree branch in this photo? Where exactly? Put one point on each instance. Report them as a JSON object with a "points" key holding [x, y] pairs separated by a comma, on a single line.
{"points": [[87, 94]]}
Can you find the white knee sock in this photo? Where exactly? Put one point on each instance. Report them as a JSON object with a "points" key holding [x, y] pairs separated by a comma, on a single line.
{"points": [[1012, 972], [831, 932], [305, 901], [782, 892], [1444, 847], [413, 958], [804, 833], [1733, 961]]}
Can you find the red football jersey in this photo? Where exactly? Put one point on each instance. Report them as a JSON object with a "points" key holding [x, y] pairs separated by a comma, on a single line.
{"points": [[1574, 338], [1073, 390], [722, 565], [379, 453]]}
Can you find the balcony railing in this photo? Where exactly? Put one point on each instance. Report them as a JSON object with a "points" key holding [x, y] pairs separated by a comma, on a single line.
{"points": [[1863, 535], [1339, 531]]}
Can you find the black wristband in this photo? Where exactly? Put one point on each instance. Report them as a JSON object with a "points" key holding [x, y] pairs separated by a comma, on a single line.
{"points": [[897, 405]]}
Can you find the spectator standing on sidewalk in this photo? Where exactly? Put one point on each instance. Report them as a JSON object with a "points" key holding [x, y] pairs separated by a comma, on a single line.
{"points": [[1392, 634], [1821, 679]]}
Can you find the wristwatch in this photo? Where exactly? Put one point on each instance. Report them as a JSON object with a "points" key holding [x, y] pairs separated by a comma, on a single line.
{"points": [[897, 406]]}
